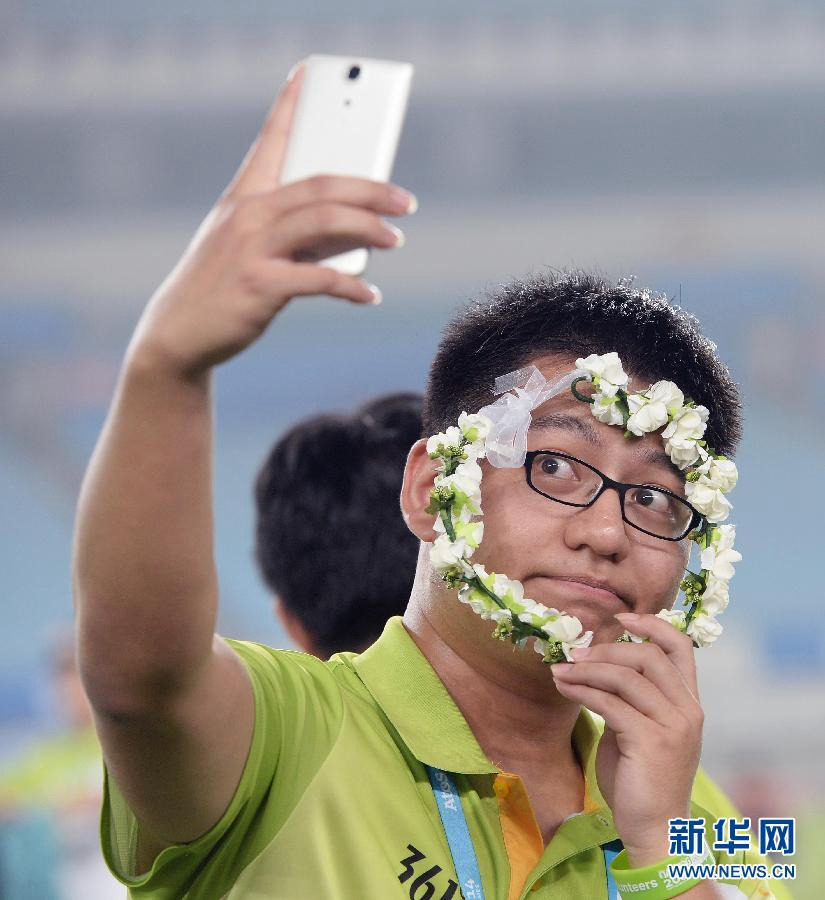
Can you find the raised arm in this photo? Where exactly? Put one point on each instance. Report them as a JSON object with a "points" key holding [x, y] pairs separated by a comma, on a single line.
{"points": [[172, 702]]}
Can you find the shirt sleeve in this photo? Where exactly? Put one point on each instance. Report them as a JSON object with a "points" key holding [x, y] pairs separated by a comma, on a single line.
{"points": [[298, 714]]}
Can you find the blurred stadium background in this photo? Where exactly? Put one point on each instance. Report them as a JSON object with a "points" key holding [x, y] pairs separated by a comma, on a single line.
{"points": [[683, 143]]}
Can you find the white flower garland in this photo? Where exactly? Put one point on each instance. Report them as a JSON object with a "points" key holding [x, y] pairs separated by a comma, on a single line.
{"points": [[499, 433]]}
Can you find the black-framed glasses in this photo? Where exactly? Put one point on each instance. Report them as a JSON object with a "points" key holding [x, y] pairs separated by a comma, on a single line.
{"points": [[566, 479]]}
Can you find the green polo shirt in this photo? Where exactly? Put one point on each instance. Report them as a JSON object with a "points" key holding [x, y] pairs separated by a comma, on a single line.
{"points": [[335, 801]]}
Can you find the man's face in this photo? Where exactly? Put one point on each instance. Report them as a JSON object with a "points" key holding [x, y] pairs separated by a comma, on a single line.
{"points": [[552, 548]]}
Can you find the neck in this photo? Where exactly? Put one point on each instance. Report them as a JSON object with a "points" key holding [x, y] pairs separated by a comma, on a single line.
{"points": [[518, 718]]}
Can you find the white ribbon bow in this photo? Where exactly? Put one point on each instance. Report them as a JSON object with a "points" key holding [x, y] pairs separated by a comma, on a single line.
{"points": [[506, 445]]}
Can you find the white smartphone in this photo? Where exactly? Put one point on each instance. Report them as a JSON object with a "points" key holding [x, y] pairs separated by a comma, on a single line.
{"points": [[347, 121]]}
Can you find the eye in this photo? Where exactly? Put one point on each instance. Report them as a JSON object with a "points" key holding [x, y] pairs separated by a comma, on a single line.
{"points": [[652, 499], [556, 467]]}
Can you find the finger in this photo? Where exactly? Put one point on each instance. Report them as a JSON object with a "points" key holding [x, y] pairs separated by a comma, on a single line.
{"points": [[651, 661], [617, 714], [316, 232], [279, 281], [377, 196], [677, 646], [261, 167], [307, 279], [636, 690]]}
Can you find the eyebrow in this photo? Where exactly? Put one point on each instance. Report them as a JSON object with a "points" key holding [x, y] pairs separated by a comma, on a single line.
{"points": [[659, 458], [585, 429], [569, 423]]}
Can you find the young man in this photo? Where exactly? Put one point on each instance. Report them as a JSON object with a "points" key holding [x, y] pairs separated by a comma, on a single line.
{"points": [[331, 544], [234, 770]]}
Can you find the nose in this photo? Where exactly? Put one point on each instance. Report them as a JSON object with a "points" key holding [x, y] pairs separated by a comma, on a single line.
{"points": [[599, 527]]}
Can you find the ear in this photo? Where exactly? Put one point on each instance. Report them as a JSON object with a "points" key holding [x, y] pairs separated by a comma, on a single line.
{"points": [[419, 474]]}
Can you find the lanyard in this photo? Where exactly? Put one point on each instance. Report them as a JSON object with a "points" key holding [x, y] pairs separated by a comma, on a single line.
{"points": [[611, 851], [461, 844], [458, 835]]}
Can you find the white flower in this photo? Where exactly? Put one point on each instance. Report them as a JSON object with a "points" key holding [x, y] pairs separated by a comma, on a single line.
{"points": [[645, 414], [719, 562], [650, 410], [469, 470], [676, 617], [466, 480], [466, 515], [722, 537], [568, 631], [481, 606], [500, 615], [716, 472], [474, 426], [704, 629], [449, 439], [708, 500], [542, 611], [478, 601], [541, 646], [445, 554], [683, 454], [605, 368], [706, 459], [583, 640], [510, 592], [687, 424], [722, 474], [471, 532], [564, 628], [666, 392], [607, 388], [604, 407], [474, 451], [715, 596], [536, 614]]}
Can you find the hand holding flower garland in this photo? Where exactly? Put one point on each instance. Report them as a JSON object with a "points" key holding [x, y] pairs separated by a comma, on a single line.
{"points": [[456, 499]]}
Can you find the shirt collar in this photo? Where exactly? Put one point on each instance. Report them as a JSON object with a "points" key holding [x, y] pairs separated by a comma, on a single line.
{"points": [[414, 699], [412, 696]]}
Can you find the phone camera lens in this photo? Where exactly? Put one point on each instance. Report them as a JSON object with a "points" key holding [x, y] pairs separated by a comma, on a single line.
{"points": [[354, 72]]}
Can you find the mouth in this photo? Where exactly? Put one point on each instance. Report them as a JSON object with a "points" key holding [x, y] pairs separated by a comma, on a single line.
{"points": [[592, 588]]}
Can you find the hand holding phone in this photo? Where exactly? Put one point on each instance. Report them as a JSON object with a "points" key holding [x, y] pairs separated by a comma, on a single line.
{"points": [[251, 254]]}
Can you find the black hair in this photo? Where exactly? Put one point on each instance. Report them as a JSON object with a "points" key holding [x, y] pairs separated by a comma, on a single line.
{"points": [[578, 313], [330, 538]]}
